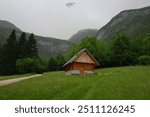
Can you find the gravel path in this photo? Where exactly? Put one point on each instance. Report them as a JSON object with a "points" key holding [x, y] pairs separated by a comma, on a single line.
{"points": [[14, 80]]}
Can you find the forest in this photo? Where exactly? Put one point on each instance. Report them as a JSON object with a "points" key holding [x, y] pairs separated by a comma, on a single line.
{"points": [[20, 55]]}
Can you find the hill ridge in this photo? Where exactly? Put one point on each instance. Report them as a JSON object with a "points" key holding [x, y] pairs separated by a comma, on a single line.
{"points": [[47, 46], [129, 22]]}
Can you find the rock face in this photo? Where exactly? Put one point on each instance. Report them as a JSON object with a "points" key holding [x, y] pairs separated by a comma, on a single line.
{"points": [[82, 34], [47, 46], [50, 46], [134, 23]]}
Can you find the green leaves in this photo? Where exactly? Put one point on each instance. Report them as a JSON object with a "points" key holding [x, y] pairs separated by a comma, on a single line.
{"points": [[98, 48], [29, 65], [146, 45]]}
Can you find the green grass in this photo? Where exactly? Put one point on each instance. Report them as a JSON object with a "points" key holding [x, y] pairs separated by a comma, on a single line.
{"points": [[121, 83], [14, 76]]}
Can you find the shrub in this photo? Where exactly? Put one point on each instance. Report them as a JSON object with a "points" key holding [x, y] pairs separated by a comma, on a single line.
{"points": [[144, 60], [40, 69], [29, 65]]}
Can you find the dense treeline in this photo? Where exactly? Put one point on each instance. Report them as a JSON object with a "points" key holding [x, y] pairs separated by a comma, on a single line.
{"points": [[20, 55], [55, 63], [17, 55], [119, 51]]}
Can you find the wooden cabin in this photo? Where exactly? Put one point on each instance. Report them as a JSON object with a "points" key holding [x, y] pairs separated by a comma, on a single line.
{"points": [[81, 63]]}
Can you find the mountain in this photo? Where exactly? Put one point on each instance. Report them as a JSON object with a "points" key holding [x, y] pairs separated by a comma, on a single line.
{"points": [[5, 29], [133, 23], [82, 34], [47, 46]]}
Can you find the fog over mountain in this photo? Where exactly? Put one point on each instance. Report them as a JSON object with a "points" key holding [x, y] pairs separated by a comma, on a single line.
{"points": [[52, 18], [77, 37], [47, 46], [134, 23]]}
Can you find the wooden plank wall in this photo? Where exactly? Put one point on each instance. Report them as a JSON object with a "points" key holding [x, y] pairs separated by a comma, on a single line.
{"points": [[84, 58]]}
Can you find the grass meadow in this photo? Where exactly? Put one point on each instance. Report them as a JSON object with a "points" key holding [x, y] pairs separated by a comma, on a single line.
{"points": [[120, 83]]}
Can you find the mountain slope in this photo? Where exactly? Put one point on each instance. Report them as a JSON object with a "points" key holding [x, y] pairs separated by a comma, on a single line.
{"points": [[82, 34], [5, 29], [134, 23], [47, 46]]}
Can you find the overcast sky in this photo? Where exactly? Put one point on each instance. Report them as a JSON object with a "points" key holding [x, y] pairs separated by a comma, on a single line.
{"points": [[53, 19]]}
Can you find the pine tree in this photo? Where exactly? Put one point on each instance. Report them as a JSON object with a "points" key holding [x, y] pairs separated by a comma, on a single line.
{"points": [[22, 44], [9, 55], [32, 46]]}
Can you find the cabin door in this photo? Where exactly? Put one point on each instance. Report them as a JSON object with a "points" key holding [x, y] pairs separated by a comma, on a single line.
{"points": [[81, 70]]}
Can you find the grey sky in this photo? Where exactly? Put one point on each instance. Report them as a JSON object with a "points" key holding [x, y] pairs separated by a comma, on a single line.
{"points": [[53, 19]]}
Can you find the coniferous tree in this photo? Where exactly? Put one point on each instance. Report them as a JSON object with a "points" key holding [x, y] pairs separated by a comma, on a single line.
{"points": [[9, 55], [32, 46], [22, 44]]}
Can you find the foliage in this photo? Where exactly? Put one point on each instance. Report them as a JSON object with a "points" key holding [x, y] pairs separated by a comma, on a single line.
{"points": [[144, 60], [55, 63], [29, 65], [146, 45], [32, 46], [88, 42], [98, 48], [103, 54], [22, 45], [60, 60], [121, 50], [16, 49], [122, 83], [9, 54], [52, 64], [0, 49]]}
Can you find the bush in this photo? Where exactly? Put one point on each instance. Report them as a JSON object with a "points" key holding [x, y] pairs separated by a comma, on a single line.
{"points": [[144, 60], [29, 65], [40, 69]]}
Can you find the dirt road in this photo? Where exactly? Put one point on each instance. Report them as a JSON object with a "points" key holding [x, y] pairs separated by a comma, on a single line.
{"points": [[14, 80]]}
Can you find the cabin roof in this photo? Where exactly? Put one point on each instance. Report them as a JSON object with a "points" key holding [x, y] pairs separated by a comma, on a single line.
{"points": [[78, 54]]}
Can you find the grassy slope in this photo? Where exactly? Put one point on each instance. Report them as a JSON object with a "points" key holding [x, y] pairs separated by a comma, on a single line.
{"points": [[110, 83], [13, 76]]}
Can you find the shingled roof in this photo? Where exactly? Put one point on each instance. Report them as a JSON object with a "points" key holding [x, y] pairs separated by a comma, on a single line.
{"points": [[78, 54]]}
